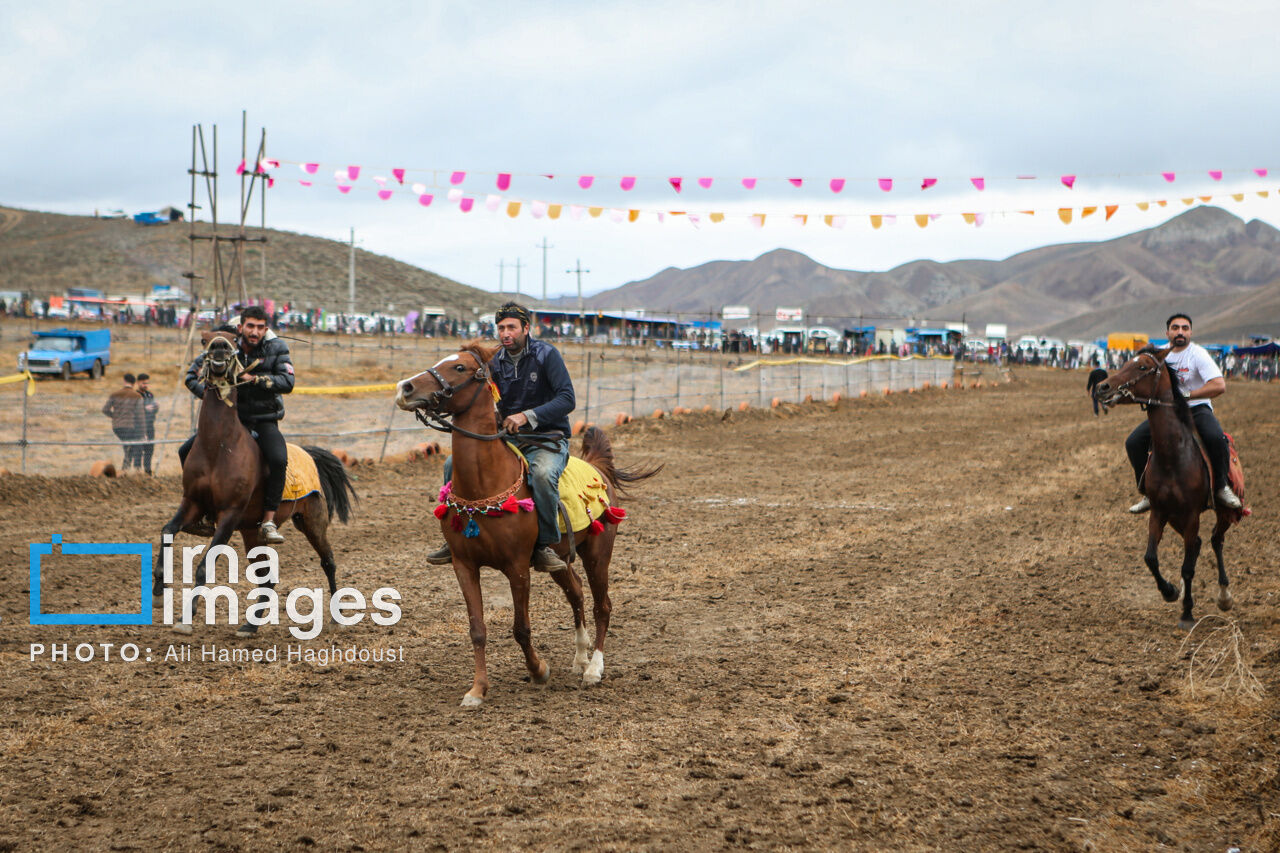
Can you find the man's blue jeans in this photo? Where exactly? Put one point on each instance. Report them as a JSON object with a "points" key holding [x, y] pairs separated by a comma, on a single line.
{"points": [[546, 464]]}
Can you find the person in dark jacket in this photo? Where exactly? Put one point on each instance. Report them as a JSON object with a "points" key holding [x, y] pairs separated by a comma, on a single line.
{"points": [[537, 397], [149, 409], [124, 407], [259, 405]]}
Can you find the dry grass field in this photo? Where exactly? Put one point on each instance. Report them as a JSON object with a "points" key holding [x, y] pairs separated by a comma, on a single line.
{"points": [[919, 622]]}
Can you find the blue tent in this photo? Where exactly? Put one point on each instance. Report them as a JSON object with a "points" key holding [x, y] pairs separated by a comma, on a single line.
{"points": [[1269, 348]]}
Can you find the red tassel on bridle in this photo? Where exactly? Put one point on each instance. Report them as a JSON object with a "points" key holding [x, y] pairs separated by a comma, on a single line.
{"points": [[511, 504], [441, 510]]}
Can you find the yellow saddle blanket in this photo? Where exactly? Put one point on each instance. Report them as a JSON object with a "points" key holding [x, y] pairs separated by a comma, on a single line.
{"points": [[301, 477], [582, 492]]}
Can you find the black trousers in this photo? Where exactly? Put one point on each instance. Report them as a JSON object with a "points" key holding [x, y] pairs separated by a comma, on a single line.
{"points": [[132, 452], [274, 453], [1138, 444], [145, 451]]}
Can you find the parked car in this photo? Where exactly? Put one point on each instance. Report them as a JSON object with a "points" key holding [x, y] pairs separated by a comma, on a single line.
{"points": [[62, 352]]}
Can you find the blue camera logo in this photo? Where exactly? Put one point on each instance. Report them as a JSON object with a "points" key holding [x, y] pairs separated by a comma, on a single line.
{"points": [[144, 554]]}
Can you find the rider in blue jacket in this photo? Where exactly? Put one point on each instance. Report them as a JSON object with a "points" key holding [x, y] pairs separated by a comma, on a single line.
{"points": [[537, 397]]}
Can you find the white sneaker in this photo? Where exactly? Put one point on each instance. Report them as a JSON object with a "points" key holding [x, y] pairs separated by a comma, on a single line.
{"points": [[1228, 498], [268, 533], [1141, 506]]}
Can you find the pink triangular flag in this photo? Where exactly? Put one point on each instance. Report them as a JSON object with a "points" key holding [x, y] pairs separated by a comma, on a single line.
{"points": [[796, 182], [309, 168], [886, 184], [928, 182], [384, 194], [353, 172], [628, 182], [538, 209], [675, 183], [837, 184], [455, 194], [425, 199], [617, 215], [695, 220], [979, 183], [398, 174], [575, 211], [705, 183], [269, 164], [457, 178], [979, 219], [662, 217], [271, 182], [586, 181], [1261, 173], [240, 169], [749, 183], [549, 177], [305, 183], [492, 202], [837, 221], [1216, 174], [340, 175], [419, 188], [379, 180], [466, 204], [504, 181], [1168, 176], [757, 219], [1069, 181], [344, 188]]}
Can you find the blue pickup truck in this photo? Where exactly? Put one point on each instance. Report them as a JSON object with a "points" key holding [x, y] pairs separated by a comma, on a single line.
{"points": [[67, 351]]}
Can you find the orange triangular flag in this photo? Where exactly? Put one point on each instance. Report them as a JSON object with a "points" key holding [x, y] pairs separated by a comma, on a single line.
{"points": [[1112, 208], [1162, 203], [757, 219], [1028, 212], [970, 217], [1087, 211], [1263, 193], [1188, 201], [553, 210], [1064, 213], [922, 219], [1206, 198], [802, 218], [828, 219], [595, 211], [717, 217], [876, 220], [633, 215], [1143, 205], [513, 209], [1238, 196]]}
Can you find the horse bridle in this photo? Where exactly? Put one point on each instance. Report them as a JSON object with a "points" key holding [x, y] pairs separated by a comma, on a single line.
{"points": [[1143, 402], [430, 417], [220, 382]]}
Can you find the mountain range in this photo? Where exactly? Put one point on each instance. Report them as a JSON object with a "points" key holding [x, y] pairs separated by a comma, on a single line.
{"points": [[1223, 271]]}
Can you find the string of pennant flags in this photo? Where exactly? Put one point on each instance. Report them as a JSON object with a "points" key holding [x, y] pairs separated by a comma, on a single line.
{"points": [[346, 180]]}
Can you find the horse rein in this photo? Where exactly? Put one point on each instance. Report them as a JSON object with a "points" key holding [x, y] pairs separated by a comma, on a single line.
{"points": [[434, 420], [223, 386], [1143, 402]]}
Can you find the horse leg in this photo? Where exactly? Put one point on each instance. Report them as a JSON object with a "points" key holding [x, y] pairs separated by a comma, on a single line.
{"points": [[518, 576], [311, 517], [186, 514], [595, 560], [228, 521], [567, 580], [1155, 532], [1191, 553], [469, 581], [1216, 539], [251, 541]]}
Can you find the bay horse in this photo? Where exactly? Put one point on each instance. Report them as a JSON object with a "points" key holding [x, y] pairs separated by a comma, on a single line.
{"points": [[1178, 479], [223, 476], [488, 473]]}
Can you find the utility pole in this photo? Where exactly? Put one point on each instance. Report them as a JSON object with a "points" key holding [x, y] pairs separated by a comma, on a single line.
{"points": [[543, 246], [579, 271], [519, 263], [351, 277], [501, 268]]}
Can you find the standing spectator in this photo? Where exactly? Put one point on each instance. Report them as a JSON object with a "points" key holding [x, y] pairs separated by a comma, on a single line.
{"points": [[124, 407], [149, 409]]}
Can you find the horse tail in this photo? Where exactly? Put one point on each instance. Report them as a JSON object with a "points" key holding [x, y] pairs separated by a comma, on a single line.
{"points": [[334, 482], [597, 451]]}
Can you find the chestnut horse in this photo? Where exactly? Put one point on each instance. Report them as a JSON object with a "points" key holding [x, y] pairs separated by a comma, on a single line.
{"points": [[1178, 480], [223, 476], [455, 393]]}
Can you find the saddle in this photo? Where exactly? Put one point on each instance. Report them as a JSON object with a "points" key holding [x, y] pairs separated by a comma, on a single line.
{"points": [[1235, 471], [584, 497]]}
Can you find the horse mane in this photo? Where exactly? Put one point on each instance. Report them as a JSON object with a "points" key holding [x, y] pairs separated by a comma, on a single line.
{"points": [[481, 349], [1180, 405]]}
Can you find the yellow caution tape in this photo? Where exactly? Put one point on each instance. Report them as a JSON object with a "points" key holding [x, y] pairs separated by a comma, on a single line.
{"points": [[346, 389], [19, 377]]}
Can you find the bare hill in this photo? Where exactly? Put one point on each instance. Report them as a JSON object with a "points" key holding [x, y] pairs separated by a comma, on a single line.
{"points": [[1205, 260], [44, 253]]}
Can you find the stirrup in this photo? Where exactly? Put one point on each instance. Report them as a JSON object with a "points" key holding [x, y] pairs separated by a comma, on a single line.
{"points": [[1228, 498], [1141, 506], [441, 557]]}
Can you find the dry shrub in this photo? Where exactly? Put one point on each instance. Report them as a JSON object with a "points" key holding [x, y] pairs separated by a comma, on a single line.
{"points": [[1216, 665]]}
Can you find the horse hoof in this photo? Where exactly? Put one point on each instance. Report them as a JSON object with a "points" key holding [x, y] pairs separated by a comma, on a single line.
{"points": [[470, 701], [182, 628], [545, 676], [1186, 624], [579, 664], [1224, 599], [595, 670], [1170, 592]]}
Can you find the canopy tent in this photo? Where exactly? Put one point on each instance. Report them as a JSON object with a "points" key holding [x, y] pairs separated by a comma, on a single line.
{"points": [[1269, 348]]}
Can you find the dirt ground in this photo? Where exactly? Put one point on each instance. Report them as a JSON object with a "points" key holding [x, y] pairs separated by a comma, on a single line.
{"points": [[919, 622]]}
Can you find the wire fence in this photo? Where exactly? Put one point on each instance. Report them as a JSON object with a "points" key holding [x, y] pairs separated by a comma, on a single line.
{"points": [[61, 429]]}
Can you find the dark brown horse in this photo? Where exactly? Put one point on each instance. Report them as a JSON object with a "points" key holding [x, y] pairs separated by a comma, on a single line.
{"points": [[223, 476], [487, 472], [1177, 480]]}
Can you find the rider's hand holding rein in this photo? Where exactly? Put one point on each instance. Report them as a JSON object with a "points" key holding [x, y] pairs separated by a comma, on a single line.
{"points": [[514, 423]]}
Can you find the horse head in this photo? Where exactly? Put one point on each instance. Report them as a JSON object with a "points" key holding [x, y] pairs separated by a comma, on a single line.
{"points": [[1142, 379], [221, 364], [436, 389]]}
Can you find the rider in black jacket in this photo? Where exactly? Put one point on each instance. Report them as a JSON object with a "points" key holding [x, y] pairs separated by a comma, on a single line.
{"points": [[259, 405]]}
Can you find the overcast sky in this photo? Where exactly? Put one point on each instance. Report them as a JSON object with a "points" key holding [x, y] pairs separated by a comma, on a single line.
{"points": [[100, 99]]}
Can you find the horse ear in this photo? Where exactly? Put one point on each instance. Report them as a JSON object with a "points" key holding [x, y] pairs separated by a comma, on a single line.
{"points": [[1161, 354]]}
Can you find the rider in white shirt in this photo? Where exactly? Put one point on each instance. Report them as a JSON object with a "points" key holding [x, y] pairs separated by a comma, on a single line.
{"points": [[1200, 381]]}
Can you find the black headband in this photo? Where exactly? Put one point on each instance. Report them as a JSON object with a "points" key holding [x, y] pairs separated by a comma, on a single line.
{"points": [[513, 312]]}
